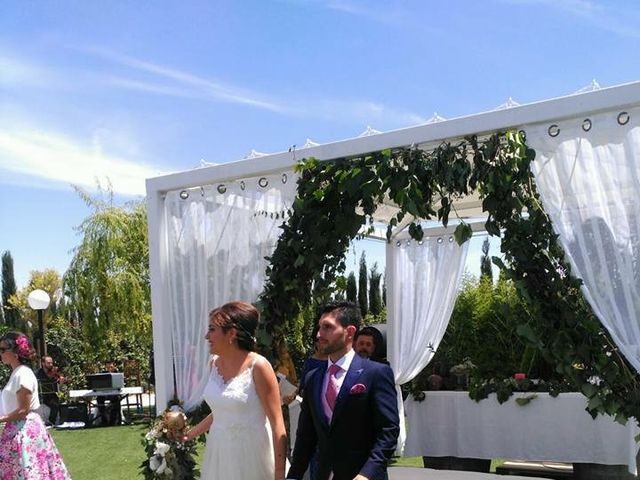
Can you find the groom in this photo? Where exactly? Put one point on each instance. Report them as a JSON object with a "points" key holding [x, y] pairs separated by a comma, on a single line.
{"points": [[350, 411]]}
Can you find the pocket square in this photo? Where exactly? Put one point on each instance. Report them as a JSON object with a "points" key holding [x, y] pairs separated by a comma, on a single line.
{"points": [[357, 388]]}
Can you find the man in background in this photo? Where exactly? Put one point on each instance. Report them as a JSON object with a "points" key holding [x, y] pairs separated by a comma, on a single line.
{"points": [[369, 343], [49, 380]]}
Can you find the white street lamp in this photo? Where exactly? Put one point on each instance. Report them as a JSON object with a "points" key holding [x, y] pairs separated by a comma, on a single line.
{"points": [[39, 301]]}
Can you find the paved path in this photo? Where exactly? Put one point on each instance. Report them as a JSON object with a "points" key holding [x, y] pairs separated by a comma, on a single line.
{"points": [[413, 473]]}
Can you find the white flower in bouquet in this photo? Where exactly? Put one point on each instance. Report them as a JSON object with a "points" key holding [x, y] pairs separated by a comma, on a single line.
{"points": [[163, 467], [161, 449], [154, 463]]}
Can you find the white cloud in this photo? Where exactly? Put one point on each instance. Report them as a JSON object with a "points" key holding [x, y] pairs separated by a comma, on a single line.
{"points": [[57, 159], [15, 72], [190, 85], [201, 87]]}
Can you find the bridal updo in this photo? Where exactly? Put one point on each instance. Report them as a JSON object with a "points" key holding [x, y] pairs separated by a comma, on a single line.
{"points": [[242, 316]]}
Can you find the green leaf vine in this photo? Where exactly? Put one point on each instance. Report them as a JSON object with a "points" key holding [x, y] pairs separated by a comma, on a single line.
{"points": [[336, 198]]}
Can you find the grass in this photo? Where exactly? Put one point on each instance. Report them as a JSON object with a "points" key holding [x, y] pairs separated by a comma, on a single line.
{"points": [[106, 453], [115, 453], [109, 453]]}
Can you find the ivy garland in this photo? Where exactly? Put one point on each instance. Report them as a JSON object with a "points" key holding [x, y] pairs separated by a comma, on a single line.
{"points": [[336, 198]]}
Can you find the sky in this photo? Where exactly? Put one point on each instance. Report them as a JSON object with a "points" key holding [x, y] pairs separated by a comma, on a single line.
{"points": [[120, 91]]}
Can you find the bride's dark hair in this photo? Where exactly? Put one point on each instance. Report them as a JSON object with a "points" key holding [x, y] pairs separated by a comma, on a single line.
{"points": [[242, 316]]}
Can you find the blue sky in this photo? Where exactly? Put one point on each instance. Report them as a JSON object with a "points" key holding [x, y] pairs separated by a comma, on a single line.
{"points": [[130, 89]]}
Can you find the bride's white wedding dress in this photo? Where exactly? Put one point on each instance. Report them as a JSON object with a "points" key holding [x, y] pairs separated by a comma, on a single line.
{"points": [[239, 444]]}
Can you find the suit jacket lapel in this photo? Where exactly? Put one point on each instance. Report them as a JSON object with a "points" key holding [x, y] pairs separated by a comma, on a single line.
{"points": [[318, 378], [355, 369]]}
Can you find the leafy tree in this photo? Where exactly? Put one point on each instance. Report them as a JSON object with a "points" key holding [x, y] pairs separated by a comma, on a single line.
{"points": [[65, 345], [107, 284], [485, 261], [11, 314], [352, 288], [375, 300], [48, 280], [488, 315], [362, 286]]}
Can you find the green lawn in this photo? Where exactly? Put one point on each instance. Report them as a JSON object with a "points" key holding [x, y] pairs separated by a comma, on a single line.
{"points": [[114, 453], [107, 453]]}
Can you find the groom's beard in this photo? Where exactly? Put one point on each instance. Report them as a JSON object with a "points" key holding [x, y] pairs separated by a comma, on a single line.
{"points": [[333, 347]]}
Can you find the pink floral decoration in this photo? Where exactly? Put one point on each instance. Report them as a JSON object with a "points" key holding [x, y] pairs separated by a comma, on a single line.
{"points": [[23, 346]]}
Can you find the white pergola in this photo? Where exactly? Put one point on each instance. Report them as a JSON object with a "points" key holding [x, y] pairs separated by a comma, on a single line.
{"points": [[523, 117]]}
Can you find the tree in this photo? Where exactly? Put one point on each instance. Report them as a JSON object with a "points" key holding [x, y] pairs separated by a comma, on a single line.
{"points": [[107, 284], [362, 286], [375, 300], [352, 288], [384, 291], [48, 280], [11, 314], [485, 261]]}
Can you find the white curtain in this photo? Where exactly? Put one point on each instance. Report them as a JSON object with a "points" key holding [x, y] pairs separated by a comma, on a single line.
{"points": [[422, 279], [588, 176], [217, 240]]}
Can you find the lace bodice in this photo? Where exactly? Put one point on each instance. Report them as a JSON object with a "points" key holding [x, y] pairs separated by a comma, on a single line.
{"points": [[235, 403]]}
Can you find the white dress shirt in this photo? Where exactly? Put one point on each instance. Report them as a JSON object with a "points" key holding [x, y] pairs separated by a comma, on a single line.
{"points": [[344, 363]]}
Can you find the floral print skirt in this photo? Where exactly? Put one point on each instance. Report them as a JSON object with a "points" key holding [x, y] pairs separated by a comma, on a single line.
{"points": [[27, 452]]}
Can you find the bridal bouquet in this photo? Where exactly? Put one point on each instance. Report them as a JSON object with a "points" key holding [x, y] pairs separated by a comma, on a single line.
{"points": [[167, 456]]}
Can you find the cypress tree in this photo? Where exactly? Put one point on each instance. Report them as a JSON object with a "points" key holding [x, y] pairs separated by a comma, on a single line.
{"points": [[352, 288], [384, 291], [11, 315], [362, 286], [375, 301], [485, 261]]}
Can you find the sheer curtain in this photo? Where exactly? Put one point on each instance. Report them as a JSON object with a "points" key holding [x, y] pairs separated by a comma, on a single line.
{"points": [[588, 176], [422, 284], [217, 240]]}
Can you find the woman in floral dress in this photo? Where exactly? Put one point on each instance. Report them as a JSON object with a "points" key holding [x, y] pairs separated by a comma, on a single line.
{"points": [[27, 451]]}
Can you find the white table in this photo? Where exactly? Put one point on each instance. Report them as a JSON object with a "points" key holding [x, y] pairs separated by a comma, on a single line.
{"points": [[123, 393], [553, 429], [105, 393]]}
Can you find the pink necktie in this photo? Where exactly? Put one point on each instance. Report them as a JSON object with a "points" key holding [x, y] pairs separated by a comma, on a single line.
{"points": [[332, 386]]}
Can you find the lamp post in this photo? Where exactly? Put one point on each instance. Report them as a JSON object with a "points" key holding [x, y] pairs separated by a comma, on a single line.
{"points": [[39, 301]]}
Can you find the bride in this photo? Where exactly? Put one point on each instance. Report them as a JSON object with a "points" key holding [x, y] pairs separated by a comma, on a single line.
{"points": [[246, 438]]}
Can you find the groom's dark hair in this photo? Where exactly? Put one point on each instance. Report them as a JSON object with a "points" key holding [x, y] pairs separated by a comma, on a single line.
{"points": [[347, 313]]}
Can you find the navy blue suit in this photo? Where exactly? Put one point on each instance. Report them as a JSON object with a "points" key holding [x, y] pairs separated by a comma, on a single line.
{"points": [[364, 428]]}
